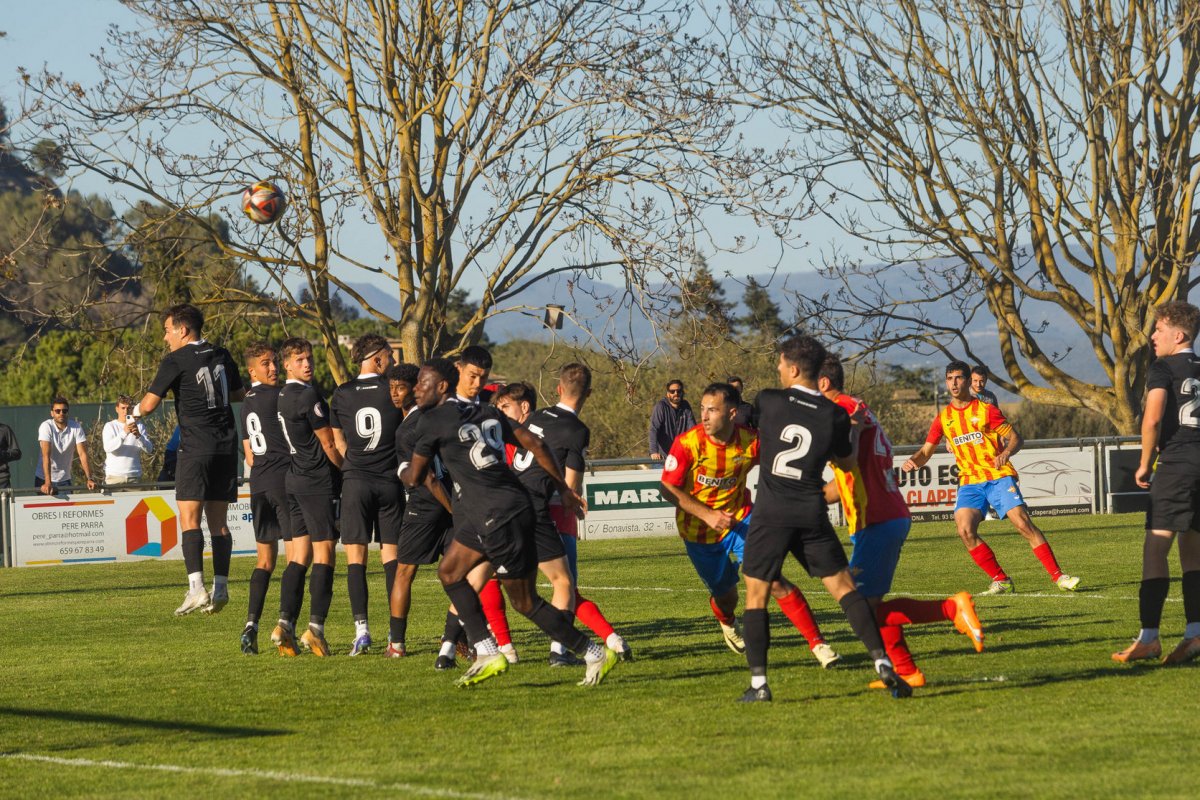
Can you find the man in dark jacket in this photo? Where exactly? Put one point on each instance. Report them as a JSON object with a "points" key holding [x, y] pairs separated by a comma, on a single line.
{"points": [[671, 416]]}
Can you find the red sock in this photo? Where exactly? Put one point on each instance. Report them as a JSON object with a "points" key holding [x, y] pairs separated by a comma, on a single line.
{"points": [[1046, 556], [725, 619], [587, 613], [796, 609], [986, 560], [897, 649], [492, 600], [906, 611]]}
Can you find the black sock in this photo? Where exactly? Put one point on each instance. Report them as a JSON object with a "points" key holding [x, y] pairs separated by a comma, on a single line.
{"points": [[557, 625], [862, 621], [356, 585], [192, 544], [756, 630], [453, 629], [1152, 594], [466, 601], [397, 629], [291, 591], [222, 547], [1191, 596], [320, 592], [260, 579], [389, 577]]}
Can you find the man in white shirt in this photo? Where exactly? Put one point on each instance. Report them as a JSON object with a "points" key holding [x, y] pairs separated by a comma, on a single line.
{"points": [[60, 439], [125, 440]]}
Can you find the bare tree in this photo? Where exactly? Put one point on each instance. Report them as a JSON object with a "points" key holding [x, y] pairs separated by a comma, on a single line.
{"points": [[1001, 158], [498, 141]]}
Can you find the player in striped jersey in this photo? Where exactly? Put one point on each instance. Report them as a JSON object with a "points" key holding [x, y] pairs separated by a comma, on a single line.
{"points": [[983, 441], [879, 522], [704, 477]]}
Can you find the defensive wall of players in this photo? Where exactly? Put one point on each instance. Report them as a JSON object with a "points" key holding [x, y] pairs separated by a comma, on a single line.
{"points": [[1058, 477]]}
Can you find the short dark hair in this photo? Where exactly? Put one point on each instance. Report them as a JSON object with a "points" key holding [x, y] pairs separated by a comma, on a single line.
{"points": [[294, 346], [60, 400], [187, 315], [672, 382], [1181, 315], [477, 356], [124, 400], [732, 379], [404, 373], [518, 392], [576, 378], [832, 371], [366, 346], [729, 395], [980, 369], [255, 350], [958, 366], [444, 368], [804, 353]]}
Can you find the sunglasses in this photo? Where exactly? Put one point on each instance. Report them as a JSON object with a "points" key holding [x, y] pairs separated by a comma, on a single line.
{"points": [[674, 391], [59, 410]]}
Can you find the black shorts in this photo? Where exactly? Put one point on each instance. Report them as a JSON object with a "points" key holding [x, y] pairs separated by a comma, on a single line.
{"points": [[423, 540], [314, 515], [1174, 498], [509, 546], [206, 477], [272, 516], [546, 538], [815, 546], [371, 511]]}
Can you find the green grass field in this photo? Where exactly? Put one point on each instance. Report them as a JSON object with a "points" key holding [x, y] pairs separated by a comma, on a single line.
{"points": [[105, 693]]}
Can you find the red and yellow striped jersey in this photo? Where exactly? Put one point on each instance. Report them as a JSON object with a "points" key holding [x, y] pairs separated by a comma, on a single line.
{"points": [[974, 433], [714, 473], [868, 491]]}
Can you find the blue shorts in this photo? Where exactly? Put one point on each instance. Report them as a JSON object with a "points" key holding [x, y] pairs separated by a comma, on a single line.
{"points": [[717, 563], [1002, 494], [876, 554]]}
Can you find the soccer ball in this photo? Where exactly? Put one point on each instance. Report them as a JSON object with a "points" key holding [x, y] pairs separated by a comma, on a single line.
{"points": [[263, 203]]}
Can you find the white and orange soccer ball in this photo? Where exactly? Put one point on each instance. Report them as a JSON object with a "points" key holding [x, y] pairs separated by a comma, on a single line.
{"points": [[263, 202]]}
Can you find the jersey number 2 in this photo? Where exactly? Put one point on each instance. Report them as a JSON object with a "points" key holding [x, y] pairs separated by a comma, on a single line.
{"points": [[801, 438], [1189, 412]]}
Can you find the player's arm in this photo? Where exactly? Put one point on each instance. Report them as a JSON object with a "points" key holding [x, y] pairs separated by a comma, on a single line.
{"points": [[686, 502], [247, 453], [83, 462], [574, 479], [832, 495], [1012, 445], [1156, 407], [147, 405], [415, 473], [571, 501], [325, 437], [438, 490], [339, 441], [918, 459]]}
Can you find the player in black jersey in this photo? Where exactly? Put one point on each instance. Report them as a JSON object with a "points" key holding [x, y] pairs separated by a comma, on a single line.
{"points": [[266, 454], [313, 483], [204, 380], [364, 428], [799, 432], [567, 438], [426, 530], [493, 519], [1170, 431]]}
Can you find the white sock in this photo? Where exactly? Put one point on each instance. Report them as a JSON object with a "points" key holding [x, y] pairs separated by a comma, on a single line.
{"points": [[447, 649], [220, 582], [196, 581], [1147, 635], [360, 628], [758, 681], [594, 653], [318, 628], [253, 625], [879, 662], [487, 647], [557, 647], [615, 642], [1192, 630]]}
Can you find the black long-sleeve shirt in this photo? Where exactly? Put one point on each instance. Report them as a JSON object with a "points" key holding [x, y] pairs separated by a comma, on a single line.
{"points": [[10, 450]]}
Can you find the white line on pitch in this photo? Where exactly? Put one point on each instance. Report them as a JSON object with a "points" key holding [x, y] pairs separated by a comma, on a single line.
{"points": [[283, 777]]}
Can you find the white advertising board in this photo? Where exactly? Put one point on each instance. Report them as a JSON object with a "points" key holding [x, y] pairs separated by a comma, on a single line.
{"points": [[88, 528]]}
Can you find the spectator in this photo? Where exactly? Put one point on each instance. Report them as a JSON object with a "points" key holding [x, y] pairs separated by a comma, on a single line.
{"points": [[125, 440], [9, 451], [979, 390], [672, 415], [60, 438], [744, 412]]}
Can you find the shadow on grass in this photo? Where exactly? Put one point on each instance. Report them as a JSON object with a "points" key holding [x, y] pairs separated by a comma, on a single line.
{"points": [[205, 729], [101, 590]]}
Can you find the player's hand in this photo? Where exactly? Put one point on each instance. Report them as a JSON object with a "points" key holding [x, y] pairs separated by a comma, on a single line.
{"points": [[860, 415], [656, 456], [720, 520], [909, 466], [1142, 477], [572, 503], [1000, 460]]}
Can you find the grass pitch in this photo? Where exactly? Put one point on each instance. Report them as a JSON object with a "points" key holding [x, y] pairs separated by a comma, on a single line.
{"points": [[106, 694]]}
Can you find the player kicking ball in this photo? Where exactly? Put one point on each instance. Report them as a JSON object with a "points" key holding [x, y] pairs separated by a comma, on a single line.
{"points": [[704, 477], [983, 441], [800, 431], [493, 518]]}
